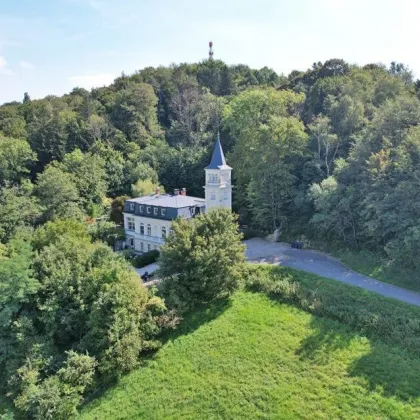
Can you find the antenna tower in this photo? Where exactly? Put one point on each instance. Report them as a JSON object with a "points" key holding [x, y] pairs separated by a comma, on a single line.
{"points": [[211, 50]]}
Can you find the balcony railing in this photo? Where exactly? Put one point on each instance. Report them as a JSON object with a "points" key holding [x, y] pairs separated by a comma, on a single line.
{"points": [[148, 238]]}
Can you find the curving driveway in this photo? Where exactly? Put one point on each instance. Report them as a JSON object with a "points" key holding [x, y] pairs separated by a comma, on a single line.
{"points": [[261, 251]]}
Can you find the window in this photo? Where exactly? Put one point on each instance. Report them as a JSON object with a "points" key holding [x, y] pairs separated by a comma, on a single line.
{"points": [[213, 179], [141, 209], [192, 210], [163, 212], [131, 225], [132, 206], [148, 248], [149, 230], [226, 195], [141, 246], [148, 209], [141, 228], [155, 211], [212, 195], [131, 243], [163, 232]]}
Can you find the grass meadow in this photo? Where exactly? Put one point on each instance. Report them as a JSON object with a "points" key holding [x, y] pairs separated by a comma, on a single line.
{"points": [[259, 356]]}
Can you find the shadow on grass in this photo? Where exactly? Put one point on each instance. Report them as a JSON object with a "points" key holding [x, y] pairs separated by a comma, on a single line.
{"points": [[191, 321], [394, 373], [201, 315], [320, 346], [390, 371]]}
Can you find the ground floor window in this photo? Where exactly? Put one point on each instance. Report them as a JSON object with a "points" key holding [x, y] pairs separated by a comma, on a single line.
{"points": [[141, 246], [163, 231], [148, 247], [131, 243]]}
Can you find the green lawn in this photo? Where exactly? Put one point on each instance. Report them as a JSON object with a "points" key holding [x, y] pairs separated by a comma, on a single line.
{"points": [[256, 358]]}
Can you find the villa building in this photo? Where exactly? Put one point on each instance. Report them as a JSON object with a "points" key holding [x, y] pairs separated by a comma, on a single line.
{"points": [[147, 219]]}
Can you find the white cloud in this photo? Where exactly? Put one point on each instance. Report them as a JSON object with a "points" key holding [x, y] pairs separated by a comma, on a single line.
{"points": [[4, 70], [26, 65], [89, 81]]}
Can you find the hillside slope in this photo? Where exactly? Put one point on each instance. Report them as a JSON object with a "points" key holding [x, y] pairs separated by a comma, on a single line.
{"points": [[255, 358]]}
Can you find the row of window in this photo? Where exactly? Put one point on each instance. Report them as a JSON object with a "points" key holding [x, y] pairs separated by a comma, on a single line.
{"points": [[142, 247], [131, 225], [213, 179], [148, 209]]}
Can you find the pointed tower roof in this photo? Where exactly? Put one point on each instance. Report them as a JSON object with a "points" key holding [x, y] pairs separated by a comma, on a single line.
{"points": [[218, 160]]}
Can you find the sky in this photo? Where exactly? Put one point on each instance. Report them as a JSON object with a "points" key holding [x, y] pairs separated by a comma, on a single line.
{"points": [[51, 46]]}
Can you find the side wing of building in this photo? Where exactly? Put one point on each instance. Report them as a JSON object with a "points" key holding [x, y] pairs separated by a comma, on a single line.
{"points": [[147, 220]]}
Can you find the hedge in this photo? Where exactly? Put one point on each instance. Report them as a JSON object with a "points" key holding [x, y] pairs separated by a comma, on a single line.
{"points": [[146, 259]]}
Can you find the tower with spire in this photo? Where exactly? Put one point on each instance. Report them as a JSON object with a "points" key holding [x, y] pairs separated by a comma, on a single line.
{"points": [[218, 188]]}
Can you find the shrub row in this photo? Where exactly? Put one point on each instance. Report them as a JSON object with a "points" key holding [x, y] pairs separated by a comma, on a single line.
{"points": [[146, 259], [372, 315]]}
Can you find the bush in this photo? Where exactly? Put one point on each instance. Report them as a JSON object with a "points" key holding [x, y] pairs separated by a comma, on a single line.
{"points": [[146, 259], [391, 321]]}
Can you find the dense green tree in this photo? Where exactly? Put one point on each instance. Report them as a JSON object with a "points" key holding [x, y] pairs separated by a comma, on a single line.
{"points": [[17, 283], [18, 208], [325, 142], [12, 122], [16, 158], [58, 194], [145, 187], [48, 121], [117, 208], [134, 113], [87, 171], [202, 259]]}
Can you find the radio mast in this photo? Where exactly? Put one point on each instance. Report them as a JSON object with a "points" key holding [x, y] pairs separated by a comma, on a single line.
{"points": [[211, 50]]}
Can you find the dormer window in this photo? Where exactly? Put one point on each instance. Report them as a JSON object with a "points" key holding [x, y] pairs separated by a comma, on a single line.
{"points": [[155, 211], [148, 210], [163, 212], [132, 206], [141, 209]]}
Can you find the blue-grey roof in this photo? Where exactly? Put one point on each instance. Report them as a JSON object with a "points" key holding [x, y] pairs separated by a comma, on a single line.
{"points": [[169, 200], [218, 160]]}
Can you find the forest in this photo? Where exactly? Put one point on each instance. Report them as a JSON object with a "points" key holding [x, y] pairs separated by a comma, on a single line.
{"points": [[331, 153]]}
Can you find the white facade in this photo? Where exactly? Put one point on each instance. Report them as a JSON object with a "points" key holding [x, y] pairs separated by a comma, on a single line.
{"points": [[147, 219], [218, 188], [144, 234]]}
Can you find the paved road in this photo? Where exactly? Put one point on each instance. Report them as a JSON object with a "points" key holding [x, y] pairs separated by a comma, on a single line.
{"points": [[261, 251]]}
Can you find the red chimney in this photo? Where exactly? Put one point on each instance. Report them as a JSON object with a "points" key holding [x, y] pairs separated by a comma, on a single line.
{"points": [[184, 191]]}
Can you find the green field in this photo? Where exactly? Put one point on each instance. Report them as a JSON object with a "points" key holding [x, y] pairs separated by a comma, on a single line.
{"points": [[257, 358]]}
